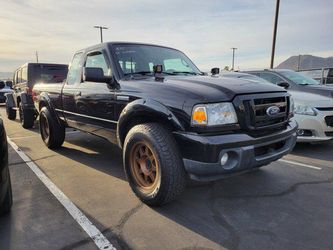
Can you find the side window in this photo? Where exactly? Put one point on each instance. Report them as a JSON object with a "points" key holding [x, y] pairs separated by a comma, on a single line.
{"points": [[14, 78], [97, 60], [24, 74], [19, 78], [73, 72], [271, 77]]}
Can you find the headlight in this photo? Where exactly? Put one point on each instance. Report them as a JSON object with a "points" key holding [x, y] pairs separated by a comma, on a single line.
{"points": [[304, 110], [213, 114], [291, 106]]}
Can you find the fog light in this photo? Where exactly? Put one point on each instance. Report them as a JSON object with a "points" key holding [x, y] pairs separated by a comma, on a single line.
{"points": [[300, 132], [224, 159]]}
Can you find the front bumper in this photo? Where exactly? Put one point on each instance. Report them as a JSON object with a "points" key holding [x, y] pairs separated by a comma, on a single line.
{"points": [[320, 130], [202, 154]]}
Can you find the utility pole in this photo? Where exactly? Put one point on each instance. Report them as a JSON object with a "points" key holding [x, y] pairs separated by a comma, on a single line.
{"points": [[233, 58], [274, 32], [299, 63], [37, 56], [101, 28]]}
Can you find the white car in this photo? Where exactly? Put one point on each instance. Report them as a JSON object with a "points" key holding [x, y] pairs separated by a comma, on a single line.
{"points": [[314, 115], [312, 112]]}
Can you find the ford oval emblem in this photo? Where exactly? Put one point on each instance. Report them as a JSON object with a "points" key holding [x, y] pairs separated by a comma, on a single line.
{"points": [[273, 111]]}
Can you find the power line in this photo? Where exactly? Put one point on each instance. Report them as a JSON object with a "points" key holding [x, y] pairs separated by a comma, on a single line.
{"points": [[101, 28]]}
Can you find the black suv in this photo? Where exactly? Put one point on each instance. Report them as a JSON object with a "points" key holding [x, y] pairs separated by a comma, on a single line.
{"points": [[293, 81], [23, 81], [5, 185]]}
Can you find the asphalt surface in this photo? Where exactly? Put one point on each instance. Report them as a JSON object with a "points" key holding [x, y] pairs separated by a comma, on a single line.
{"points": [[281, 206]]}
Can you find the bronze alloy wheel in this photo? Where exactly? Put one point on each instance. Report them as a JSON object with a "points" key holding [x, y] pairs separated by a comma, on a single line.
{"points": [[144, 167], [45, 130]]}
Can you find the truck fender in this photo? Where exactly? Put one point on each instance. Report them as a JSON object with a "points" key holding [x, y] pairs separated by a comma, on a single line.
{"points": [[43, 100], [140, 108], [10, 102], [26, 99]]}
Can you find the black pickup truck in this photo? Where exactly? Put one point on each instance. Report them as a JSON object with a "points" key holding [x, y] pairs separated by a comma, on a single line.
{"points": [[170, 119]]}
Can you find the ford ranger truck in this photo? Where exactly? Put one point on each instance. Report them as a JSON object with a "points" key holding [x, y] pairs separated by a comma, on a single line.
{"points": [[171, 120]]}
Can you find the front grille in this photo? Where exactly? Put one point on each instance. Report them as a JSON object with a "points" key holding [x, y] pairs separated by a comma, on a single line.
{"points": [[330, 134], [253, 114], [325, 109], [267, 149], [329, 120]]}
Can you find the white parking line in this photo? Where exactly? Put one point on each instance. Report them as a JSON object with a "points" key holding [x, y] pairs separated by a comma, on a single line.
{"points": [[300, 164], [99, 239]]}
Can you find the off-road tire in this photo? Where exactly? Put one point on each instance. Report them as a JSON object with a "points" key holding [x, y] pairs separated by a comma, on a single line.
{"points": [[27, 117], [11, 113], [172, 177], [52, 133]]}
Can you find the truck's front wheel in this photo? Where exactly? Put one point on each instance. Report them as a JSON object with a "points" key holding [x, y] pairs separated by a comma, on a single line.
{"points": [[52, 133], [153, 164]]}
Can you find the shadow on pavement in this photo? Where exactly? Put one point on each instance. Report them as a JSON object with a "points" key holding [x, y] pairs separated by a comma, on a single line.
{"points": [[322, 151]]}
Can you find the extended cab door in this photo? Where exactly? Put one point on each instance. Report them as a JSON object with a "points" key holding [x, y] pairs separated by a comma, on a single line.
{"points": [[90, 105]]}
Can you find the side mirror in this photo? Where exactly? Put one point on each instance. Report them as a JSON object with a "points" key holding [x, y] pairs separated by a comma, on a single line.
{"points": [[283, 84], [215, 71], [2, 84]]}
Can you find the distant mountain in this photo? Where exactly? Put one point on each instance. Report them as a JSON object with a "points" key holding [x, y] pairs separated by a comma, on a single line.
{"points": [[306, 62], [6, 75]]}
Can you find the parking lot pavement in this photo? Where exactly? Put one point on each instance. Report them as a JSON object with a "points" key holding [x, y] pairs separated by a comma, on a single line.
{"points": [[37, 220], [281, 206]]}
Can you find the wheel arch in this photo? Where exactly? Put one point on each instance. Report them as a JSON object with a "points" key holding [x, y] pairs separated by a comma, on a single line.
{"points": [[144, 111]]}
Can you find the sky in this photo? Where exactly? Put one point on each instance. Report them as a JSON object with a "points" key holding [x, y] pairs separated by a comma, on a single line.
{"points": [[204, 30]]}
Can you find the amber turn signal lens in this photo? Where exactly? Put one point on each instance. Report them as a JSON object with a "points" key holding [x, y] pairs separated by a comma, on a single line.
{"points": [[199, 115]]}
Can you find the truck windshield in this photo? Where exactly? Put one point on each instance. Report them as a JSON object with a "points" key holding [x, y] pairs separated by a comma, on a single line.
{"points": [[140, 59], [49, 74], [299, 78]]}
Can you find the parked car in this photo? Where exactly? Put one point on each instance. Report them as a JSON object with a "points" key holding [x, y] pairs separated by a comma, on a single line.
{"points": [[23, 81], [6, 199], [293, 81], [323, 75], [7, 89], [312, 112], [170, 119]]}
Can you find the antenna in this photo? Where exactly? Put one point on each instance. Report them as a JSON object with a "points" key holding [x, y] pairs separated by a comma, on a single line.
{"points": [[37, 56]]}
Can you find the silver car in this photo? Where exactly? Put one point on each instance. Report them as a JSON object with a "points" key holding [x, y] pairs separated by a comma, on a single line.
{"points": [[312, 112]]}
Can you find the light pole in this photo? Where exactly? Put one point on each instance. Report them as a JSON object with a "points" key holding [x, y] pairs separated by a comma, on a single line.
{"points": [[274, 31], [101, 28], [233, 58]]}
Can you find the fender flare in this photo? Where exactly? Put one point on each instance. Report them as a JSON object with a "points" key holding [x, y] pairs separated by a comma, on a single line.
{"points": [[43, 98], [145, 107], [26, 99]]}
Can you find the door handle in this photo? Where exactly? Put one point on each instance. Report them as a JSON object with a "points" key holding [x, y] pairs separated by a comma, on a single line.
{"points": [[78, 93]]}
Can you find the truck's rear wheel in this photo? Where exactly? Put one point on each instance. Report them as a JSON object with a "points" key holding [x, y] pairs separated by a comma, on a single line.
{"points": [[153, 165], [27, 117], [11, 113], [52, 133]]}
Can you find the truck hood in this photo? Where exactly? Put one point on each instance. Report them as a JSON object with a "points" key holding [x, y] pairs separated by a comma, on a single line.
{"points": [[202, 88], [321, 89], [312, 100]]}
